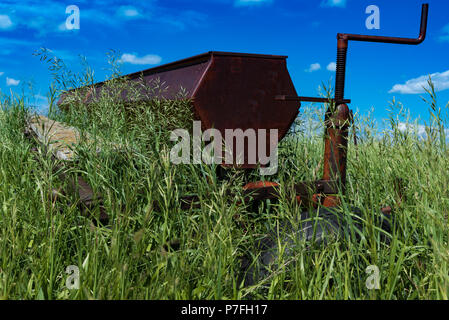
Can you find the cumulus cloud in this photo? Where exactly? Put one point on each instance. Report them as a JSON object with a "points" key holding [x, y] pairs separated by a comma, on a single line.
{"points": [[417, 85], [332, 66], [40, 16], [129, 12], [313, 67], [48, 16], [333, 3], [12, 82], [407, 127], [241, 3], [418, 129], [5, 22], [134, 59]]}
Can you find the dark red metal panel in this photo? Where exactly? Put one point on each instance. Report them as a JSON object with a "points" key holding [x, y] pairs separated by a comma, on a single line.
{"points": [[184, 74], [239, 92], [229, 90]]}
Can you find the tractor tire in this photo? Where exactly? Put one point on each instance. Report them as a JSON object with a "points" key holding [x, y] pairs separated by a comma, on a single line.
{"points": [[316, 228]]}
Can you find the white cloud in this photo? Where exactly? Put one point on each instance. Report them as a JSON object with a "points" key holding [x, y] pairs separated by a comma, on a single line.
{"points": [[418, 129], [407, 127], [134, 59], [128, 12], [417, 85], [333, 3], [12, 82], [314, 67], [332, 66], [5, 21], [9, 45], [241, 3], [62, 27], [1, 73], [40, 16], [43, 17], [445, 36]]}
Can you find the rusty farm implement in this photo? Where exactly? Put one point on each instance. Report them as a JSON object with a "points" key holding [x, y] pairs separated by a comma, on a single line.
{"points": [[230, 91]]}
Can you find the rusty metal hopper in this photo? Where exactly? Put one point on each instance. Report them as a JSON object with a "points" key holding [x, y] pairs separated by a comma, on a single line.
{"points": [[230, 90]]}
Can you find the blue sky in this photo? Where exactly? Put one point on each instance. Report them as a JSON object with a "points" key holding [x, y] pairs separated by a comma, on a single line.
{"points": [[148, 33]]}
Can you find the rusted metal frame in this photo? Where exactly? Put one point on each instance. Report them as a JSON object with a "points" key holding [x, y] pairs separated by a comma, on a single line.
{"points": [[382, 39], [262, 190], [342, 48], [197, 59], [304, 190], [337, 121], [337, 117], [335, 145], [335, 150], [308, 194], [307, 99]]}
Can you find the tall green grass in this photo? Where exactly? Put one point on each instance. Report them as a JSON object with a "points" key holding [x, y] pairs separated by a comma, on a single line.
{"points": [[153, 249]]}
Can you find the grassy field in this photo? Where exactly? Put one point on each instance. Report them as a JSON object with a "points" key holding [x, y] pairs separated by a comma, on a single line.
{"points": [[135, 256]]}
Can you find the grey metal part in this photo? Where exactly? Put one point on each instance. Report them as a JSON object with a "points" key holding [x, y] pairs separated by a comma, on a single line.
{"points": [[316, 228]]}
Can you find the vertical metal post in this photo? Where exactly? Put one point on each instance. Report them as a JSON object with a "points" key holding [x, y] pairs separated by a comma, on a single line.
{"points": [[337, 124], [342, 50]]}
